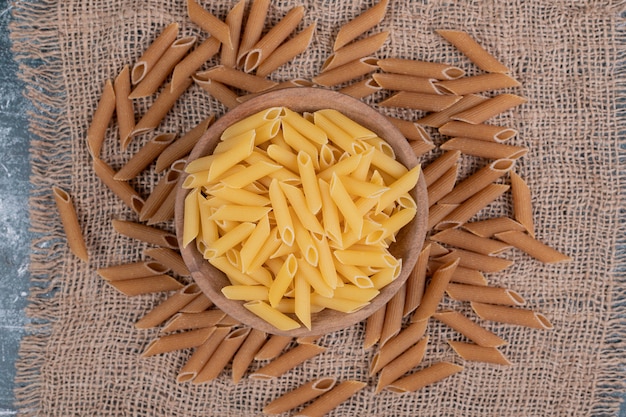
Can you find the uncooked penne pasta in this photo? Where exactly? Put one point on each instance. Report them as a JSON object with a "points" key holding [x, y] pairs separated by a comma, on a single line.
{"points": [[461, 274], [273, 347], [346, 72], [355, 51], [489, 227], [472, 205], [374, 328], [144, 157], [178, 341], [294, 83], [485, 149], [438, 119], [219, 91], [416, 282], [434, 291], [197, 305], [478, 181], [420, 68], [146, 285], [522, 203], [489, 108], [101, 119], [477, 84], [511, 315], [190, 321], [409, 83], [484, 294], [420, 101], [439, 166], [331, 399], [164, 187], [443, 186], [286, 52], [169, 307], [532, 247], [132, 270], [145, 233], [398, 345], [437, 212], [201, 356], [120, 188], [161, 106], [420, 379], [473, 260], [402, 364], [152, 54], [254, 28], [472, 49], [362, 23], [469, 241], [163, 67], [209, 23], [272, 39], [481, 131], [271, 315], [469, 329], [287, 361], [300, 395], [165, 211], [193, 61], [245, 355], [361, 89], [71, 226], [411, 130], [236, 78], [477, 353], [222, 355], [124, 107], [234, 20]]}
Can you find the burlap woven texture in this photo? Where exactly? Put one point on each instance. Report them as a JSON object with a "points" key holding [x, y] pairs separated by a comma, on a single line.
{"points": [[82, 356]]}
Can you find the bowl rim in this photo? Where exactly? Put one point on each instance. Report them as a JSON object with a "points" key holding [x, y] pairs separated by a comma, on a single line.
{"points": [[303, 99]]}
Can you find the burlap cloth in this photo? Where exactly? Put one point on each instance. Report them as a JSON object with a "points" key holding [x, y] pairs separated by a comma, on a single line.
{"points": [[81, 356]]}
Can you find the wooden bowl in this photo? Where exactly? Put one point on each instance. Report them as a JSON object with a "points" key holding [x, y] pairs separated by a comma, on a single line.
{"points": [[409, 240]]}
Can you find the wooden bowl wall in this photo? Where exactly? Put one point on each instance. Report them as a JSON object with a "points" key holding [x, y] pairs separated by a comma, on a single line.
{"points": [[409, 240]]}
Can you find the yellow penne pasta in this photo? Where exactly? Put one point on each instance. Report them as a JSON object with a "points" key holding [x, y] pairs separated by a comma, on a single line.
{"points": [[472, 49], [332, 399], [424, 377], [152, 54], [355, 51], [192, 216], [245, 292], [478, 131], [302, 300], [299, 208], [71, 226], [310, 186], [402, 185], [299, 142], [305, 127], [345, 205], [229, 239], [346, 72], [420, 68], [209, 23], [355, 130], [489, 108], [300, 395], [437, 119], [286, 52], [469, 329], [532, 247], [271, 315], [124, 107], [283, 279], [161, 106]]}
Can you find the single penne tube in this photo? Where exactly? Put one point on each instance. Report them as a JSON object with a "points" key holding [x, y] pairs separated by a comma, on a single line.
{"points": [[144, 157], [300, 395], [478, 181], [477, 353], [489, 108], [331, 399], [293, 83], [437, 212], [165, 211], [395, 347], [271, 315], [461, 274], [272, 39], [245, 292], [219, 91], [420, 101], [190, 64], [473, 260], [402, 364], [209, 23], [222, 355], [399, 187], [359, 25], [287, 361], [101, 119], [484, 149], [439, 166], [239, 213], [477, 84], [234, 20], [305, 127], [190, 321], [122, 189], [133, 270], [374, 328], [346, 72], [229, 239], [253, 29], [161, 106], [420, 68], [245, 355], [412, 131], [435, 248], [484, 294], [145, 233], [389, 227], [163, 67], [164, 187], [71, 226], [511, 315], [283, 280], [273, 347], [465, 240], [238, 196], [352, 292], [197, 305], [480, 131], [310, 185], [346, 206], [365, 258], [489, 227], [326, 263], [299, 209], [201, 356], [314, 278], [402, 82], [271, 245], [522, 203], [330, 213], [353, 128], [356, 50], [416, 282], [361, 89], [434, 291], [147, 285], [469, 329], [302, 300], [182, 147], [240, 148], [443, 186], [473, 50], [178, 341], [427, 376], [253, 245], [471, 206], [438, 119], [286, 52], [124, 107], [152, 54], [235, 78], [393, 316], [532, 247], [169, 307]]}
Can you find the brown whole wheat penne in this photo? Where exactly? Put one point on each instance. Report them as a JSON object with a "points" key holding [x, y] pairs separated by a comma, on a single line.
{"points": [[393, 316], [163, 67], [532, 247], [146, 285], [434, 291], [286, 52], [209, 23], [190, 64], [484, 149], [483, 294], [165, 211], [476, 353], [287, 361], [420, 68], [401, 82], [163, 188], [169, 307], [245, 355], [152, 54], [473, 260], [222, 355], [469, 329], [489, 227], [145, 233], [420, 147], [489, 108], [522, 203], [161, 106], [440, 118], [511, 315], [132, 270], [465, 240], [472, 205], [411, 130], [478, 181], [300, 395], [461, 274], [420, 101], [435, 248], [253, 29], [296, 82], [178, 341], [101, 119], [374, 328], [202, 355], [331, 399], [351, 30], [346, 72], [308, 339], [144, 157], [191, 321], [424, 377], [354, 51], [477, 84], [182, 146], [124, 107], [71, 227], [170, 259], [361, 89], [416, 282], [234, 21], [481, 131], [439, 166], [402, 364], [273, 347], [398, 345], [235, 78], [437, 212], [443, 186], [120, 188], [197, 305], [473, 50], [219, 91]]}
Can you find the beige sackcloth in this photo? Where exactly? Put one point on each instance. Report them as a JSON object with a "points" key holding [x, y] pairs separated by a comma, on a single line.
{"points": [[81, 354]]}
